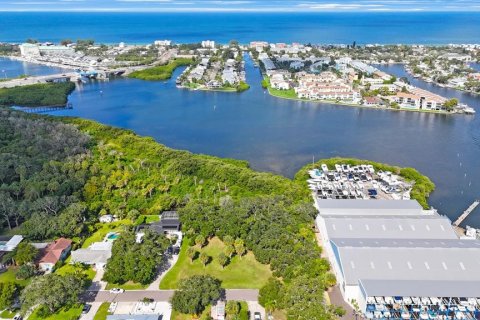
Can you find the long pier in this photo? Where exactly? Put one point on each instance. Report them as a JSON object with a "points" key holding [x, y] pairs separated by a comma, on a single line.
{"points": [[465, 214]]}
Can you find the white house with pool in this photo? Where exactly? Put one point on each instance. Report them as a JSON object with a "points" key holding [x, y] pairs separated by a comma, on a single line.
{"points": [[399, 261]]}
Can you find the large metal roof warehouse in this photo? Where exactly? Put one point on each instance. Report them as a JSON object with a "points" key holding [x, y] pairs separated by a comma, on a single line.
{"points": [[388, 255]]}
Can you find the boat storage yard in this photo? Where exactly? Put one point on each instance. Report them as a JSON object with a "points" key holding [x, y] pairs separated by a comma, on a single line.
{"points": [[392, 258], [357, 182]]}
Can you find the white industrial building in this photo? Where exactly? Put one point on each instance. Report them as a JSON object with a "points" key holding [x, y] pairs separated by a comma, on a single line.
{"points": [[399, 261]]}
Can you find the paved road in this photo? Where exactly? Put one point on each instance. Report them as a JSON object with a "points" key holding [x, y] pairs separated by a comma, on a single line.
{"points": [[35, 79], [160, 295]]}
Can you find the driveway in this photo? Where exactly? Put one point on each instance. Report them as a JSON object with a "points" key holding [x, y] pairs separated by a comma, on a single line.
{"points": [[92, 312], [242, 294], [162, 272], [336, 299], [254, 306]]}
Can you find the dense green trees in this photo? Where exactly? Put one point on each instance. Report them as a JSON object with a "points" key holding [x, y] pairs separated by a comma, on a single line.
{"points": [[25, 253], [133, 261], [161, 72], [42, 173], [52, 292], [37, 95], [195, 293], [8, 292]]}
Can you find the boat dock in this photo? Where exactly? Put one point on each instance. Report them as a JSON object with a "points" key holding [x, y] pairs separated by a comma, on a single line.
{"points": [[465, 214], [44, 109]]}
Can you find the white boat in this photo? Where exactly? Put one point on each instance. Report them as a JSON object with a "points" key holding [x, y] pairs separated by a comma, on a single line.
{"points": [[416, 308], [416, 300], [380, 300], [370, 300], [324, 167], [380, 307], [369, 315], [407, 300], [338, 168], [460, 315], [387, 314], [405, 315], [423, 315]]}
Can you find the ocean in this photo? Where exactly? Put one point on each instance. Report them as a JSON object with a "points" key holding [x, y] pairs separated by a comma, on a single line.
{"points": [[330, 28]]}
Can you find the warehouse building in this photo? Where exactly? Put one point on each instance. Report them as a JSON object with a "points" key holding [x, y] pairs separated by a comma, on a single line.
{"points": [[396, 260]]}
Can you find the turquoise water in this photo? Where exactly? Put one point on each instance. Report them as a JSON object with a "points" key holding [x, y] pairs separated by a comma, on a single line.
{"points": [[333, 27], [112, 236]]}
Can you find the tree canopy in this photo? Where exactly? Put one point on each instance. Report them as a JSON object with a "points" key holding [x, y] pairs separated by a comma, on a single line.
{"points": [[134, 261], [52, 291], [195, 293]]}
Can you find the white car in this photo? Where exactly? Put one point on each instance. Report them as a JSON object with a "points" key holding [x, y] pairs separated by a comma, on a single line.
{"points": [[117, 290]]}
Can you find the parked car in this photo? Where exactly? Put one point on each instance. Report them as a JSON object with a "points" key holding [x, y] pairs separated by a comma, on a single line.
{"points": [[86, 308], [257, 316], [116, 290]]}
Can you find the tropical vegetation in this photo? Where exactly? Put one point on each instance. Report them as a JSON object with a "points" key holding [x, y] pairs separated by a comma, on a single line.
{"points": [[160, 72], [58, 175], [37, 95]]}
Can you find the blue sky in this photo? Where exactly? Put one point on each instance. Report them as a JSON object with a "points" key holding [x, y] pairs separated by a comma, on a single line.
{"points": [[240, 5]]}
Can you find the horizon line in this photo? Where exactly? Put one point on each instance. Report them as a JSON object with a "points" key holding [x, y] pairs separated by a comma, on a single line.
{"points": [[235, 10]]}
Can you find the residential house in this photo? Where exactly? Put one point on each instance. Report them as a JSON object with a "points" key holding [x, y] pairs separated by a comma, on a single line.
{"points": [[53, 253], [107, 218], [96, 254]]}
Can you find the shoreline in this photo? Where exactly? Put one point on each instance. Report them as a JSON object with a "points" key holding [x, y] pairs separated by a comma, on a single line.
{"points": [[358, 105]]}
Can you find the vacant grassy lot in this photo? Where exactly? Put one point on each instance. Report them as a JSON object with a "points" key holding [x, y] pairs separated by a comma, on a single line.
{"points": [[69, 314], [241, 273]]}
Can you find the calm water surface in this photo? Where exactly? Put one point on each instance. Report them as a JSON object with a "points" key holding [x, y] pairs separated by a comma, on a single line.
{"points": [[326, 27], [13, 68], [281, 136]]}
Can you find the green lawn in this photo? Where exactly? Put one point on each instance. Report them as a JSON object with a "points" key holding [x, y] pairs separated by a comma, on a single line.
{"points": [[68, 268], [9, 276], [70, 314], [180, 316], [6, 314], [240, 273], [102, 311], [147, 218], [103, 229], [127, 286]]}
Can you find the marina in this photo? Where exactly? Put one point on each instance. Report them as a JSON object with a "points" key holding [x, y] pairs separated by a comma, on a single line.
{"points": [[357, 182]]}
